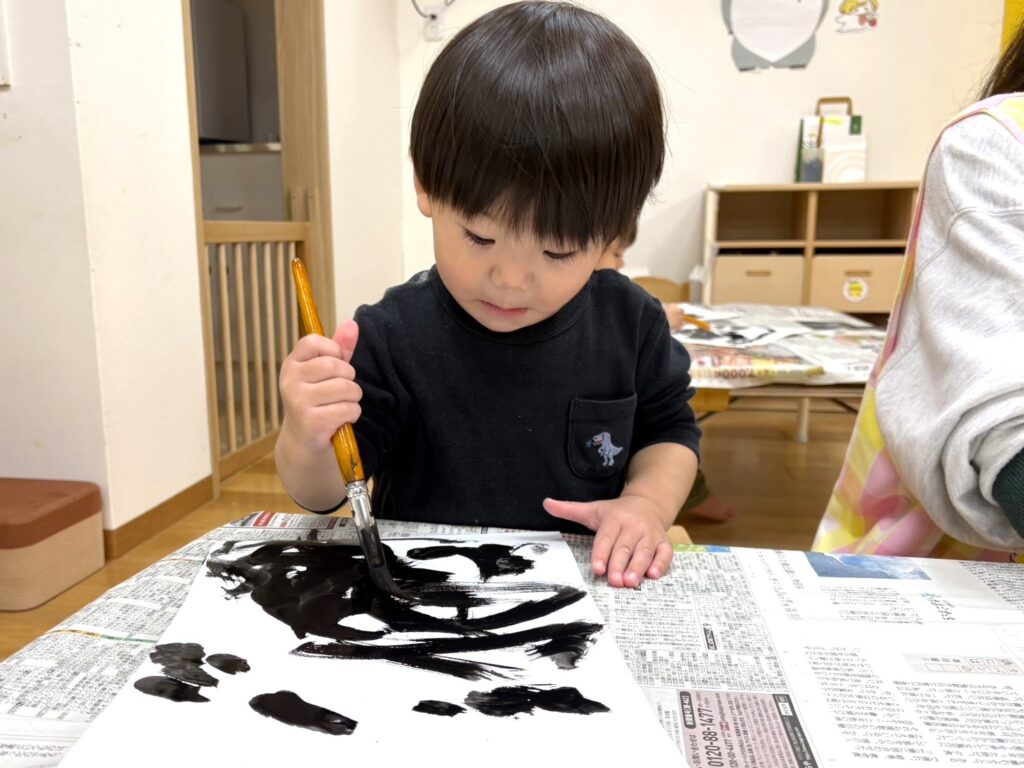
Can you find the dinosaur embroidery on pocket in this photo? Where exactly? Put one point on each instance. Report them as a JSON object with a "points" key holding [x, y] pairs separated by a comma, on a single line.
{"points": [[606, 449]]}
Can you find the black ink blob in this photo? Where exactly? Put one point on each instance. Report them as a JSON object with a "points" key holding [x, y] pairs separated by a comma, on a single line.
{"points": [[166, 688], [315, 587], [513, 700], [228, 663], [442, 708], [490, 559], [290, 709], [182, 661]]}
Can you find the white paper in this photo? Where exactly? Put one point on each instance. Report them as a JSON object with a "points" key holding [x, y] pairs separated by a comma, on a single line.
{"points": [[377, 694], [775, 656]]}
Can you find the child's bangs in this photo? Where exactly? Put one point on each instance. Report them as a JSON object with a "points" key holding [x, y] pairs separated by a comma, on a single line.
{"points": [[548, 119]]}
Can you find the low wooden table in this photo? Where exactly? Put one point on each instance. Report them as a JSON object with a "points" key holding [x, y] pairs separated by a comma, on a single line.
{"points": [[708, 402]]}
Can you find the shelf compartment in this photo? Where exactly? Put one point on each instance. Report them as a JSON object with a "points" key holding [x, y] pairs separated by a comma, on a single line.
{"points": [[881, 243], [763, 245], [762, 216], [864, 215], [855, 283], [757, 279]]}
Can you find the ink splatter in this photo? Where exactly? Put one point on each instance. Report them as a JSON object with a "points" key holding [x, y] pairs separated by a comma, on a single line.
{"points": [[441, 708], [508, 701], [290, 709], [182, 665], [182, 661], [491, 559], [166, 688], [228, 663], [315, 587]]}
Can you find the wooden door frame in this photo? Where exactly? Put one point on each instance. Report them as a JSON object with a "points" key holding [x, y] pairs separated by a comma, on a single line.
{"points": [[302, 99], [202, 258]]}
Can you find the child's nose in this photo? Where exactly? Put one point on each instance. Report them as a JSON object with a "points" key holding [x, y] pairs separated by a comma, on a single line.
{"points": [[510, 275]]}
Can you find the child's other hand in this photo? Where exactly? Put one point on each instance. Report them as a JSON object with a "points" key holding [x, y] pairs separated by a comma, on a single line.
{"points": [[318, 387], [630, 541], [676, 318]]}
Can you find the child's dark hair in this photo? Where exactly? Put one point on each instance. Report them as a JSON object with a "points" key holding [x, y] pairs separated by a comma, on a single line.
{"points": [[545, 116], [1007, 75]]}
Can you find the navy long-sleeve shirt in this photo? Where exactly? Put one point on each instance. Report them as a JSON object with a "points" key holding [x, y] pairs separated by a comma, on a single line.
{"points": [[465, 425]]}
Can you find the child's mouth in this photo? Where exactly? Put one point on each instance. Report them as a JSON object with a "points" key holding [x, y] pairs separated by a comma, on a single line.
{"points": [[503, 311]]}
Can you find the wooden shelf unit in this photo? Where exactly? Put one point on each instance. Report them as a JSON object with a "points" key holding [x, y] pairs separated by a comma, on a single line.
{"points": [[834, 245]]}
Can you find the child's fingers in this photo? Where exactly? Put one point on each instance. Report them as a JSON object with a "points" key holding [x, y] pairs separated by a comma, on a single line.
{"points": [[582, 512], [604, 540], [622, 551], [346, 336], [313, 345], [337, 415], [641, 560], [324, 369], [662, 561], [316, 426], [333, 391]]}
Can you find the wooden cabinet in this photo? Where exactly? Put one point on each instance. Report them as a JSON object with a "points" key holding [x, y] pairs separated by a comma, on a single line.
{"points": [[833, 245]]}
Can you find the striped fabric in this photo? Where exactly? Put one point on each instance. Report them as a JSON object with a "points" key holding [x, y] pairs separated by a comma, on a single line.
{"points": [[871, 511]]}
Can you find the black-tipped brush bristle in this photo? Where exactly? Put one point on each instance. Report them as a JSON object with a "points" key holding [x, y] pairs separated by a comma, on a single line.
{"points": [[383, 581]]}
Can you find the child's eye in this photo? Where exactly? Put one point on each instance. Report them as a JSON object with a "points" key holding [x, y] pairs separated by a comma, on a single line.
{"points": [[474, 238], [561, 256]]}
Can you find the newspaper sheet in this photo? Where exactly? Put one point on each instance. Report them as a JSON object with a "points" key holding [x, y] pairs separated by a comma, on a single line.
{"points": [[747, 657], [751, 345], [771, 658]]}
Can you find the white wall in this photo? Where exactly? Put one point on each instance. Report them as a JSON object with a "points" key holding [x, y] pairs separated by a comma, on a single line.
{"points": [[50, 418], [921, 66], [129, 75], [365, 145], [102, 376]]}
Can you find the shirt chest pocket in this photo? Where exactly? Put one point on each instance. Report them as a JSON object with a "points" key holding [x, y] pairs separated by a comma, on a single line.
{"points": [[600, 432]]}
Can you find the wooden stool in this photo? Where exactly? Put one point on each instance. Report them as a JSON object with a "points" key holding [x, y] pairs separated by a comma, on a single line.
{"points": [[51, 537]]}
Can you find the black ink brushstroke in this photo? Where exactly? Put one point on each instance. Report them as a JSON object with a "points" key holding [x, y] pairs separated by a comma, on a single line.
{"points": [[289, 708], [314, 587], [566, 649], [508, 701], [435, 654], [440, 708], [182, 661], [228, 663], [168, 688], [490, 559]]}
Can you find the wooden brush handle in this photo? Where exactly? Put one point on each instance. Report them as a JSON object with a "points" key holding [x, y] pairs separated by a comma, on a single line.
{"points": [[344, 440]]}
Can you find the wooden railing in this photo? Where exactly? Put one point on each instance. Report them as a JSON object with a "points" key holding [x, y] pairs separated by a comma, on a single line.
{"points": [[252, 323]]}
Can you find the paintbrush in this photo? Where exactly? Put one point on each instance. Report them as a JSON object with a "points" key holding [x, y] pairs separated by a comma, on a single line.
{"points": [[691, 320], [347, 452]]}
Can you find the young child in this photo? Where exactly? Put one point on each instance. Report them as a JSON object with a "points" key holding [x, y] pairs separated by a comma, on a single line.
{"points": [[511, 385], [701, 501], [935, 467]]}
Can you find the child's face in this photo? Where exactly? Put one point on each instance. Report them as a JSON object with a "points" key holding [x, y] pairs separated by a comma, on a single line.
{"points": [[504, 281], [613, 256]]}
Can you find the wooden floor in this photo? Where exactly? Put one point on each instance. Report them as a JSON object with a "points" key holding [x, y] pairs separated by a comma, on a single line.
{"points": [[778, 487]]}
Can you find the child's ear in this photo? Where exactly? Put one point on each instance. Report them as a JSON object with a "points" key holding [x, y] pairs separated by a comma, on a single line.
{"points": [[422, 199]]}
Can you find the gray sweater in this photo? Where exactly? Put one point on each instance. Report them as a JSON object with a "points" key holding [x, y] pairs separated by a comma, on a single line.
{"points": [[951, 403]]}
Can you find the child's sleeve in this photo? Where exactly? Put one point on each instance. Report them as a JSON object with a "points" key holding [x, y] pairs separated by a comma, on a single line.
{"points": [[1008, 491], [663, 413]]}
